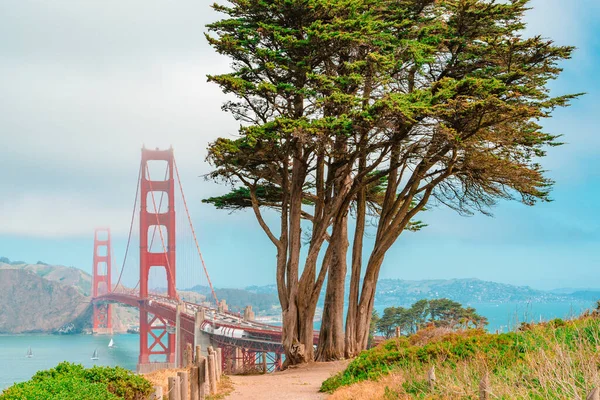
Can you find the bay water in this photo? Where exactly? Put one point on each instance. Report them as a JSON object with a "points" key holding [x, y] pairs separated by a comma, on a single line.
{"points": [[504, 317], [49, 350]]}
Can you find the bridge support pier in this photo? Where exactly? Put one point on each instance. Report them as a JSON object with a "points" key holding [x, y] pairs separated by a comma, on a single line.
{"points": [[102, 319], [163, 223], [237, 360], [228, 359], [198, 320], [156, 329], [248, 313]]}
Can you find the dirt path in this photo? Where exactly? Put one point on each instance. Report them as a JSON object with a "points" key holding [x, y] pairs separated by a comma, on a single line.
{"points": [[300, 383]]}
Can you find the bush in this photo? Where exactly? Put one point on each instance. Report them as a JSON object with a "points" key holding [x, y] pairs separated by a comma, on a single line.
{"points": [[554, 360], [73, 382]]}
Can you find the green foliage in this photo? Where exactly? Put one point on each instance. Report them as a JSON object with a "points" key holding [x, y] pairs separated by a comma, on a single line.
{"points": [[439, 312], [383, 105], [455, 78], [72, 381], [415, 387], [240, 198], [503, 354], [373, 327]]}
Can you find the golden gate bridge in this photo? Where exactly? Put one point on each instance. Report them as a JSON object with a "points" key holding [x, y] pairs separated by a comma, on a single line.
{"points": [[167, 324]]}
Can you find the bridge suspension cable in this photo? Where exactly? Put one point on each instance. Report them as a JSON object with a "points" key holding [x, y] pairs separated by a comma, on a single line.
{"points": [[160, 203], [137, 191], [194, 233], [162, 239], [157, 226]]}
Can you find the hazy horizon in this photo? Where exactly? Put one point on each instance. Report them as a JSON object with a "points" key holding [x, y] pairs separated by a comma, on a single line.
{"points": [[204, 284]]}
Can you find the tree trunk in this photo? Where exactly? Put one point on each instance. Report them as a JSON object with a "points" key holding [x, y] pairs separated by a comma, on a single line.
{"points": [[367, 298], [331, 336], [306, 333], [295, 349], [352, 348], [395, 215], [290, 338]]}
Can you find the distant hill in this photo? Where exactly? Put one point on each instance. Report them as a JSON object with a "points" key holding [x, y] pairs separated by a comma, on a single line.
{"points": [[397, 292], [31, 303], [569, 291], [50, 298], [69, 276], [46, 298], [402, 292], [264, 299], [189, 295], [586, 295], [268, 289]]}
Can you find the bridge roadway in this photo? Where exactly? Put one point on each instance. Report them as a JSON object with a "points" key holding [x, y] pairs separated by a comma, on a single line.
{"points": [[224, 328]]}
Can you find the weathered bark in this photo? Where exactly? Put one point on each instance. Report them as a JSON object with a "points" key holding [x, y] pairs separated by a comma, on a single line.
{"points": [[298, 297], [388, 232], [351, 345], [309, 289], [295, 350], [367, 298], [331, 336]]}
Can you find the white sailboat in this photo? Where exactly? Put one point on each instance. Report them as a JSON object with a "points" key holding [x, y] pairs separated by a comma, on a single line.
{"points": [[29, 353], [95, 355], [111, 344]]}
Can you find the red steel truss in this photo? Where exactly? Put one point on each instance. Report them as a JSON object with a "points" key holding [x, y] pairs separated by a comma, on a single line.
{"points": [[238, 359]]}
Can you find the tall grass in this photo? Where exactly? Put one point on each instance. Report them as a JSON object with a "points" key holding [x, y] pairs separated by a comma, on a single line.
{"points": [[554, 360]]}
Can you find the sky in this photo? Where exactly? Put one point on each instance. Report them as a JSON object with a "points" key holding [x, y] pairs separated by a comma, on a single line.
{"points": [[85, 84]]}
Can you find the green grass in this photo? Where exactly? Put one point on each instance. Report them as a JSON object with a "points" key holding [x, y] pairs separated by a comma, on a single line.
{"points": [[553, 360], [72, 381]]}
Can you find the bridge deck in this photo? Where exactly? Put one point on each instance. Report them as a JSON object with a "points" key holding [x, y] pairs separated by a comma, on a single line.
{"points": [[222, 327]]}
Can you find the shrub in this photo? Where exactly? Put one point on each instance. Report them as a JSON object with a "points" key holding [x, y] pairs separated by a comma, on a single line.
{"points": [[73, 382], [554, 360]]}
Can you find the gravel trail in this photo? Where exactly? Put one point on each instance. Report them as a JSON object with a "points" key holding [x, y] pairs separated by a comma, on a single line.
{"points": [[301, 383]]}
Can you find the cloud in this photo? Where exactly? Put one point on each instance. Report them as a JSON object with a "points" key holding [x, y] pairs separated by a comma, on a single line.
{"points": [[90, 82], [563, 22], [56, 216], [100, 34]]}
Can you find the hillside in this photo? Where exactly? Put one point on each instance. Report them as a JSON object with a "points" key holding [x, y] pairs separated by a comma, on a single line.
{"points": [[555, 360], [262, 299], [402, 292], [31, 303], [69, 276], [48, 298], [398, 292], [70, 286]]}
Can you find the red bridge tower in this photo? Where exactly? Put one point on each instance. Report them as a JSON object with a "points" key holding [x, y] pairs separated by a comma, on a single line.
{"points": [[101, 283], [161, 227]]}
